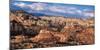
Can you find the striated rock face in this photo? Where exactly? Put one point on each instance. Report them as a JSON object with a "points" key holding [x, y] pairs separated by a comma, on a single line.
{"points": [[29, 31], [86, 36], [50, 36]]}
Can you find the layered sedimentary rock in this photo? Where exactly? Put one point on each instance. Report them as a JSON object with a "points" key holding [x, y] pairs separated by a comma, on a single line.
{"points": [[29, 31]]}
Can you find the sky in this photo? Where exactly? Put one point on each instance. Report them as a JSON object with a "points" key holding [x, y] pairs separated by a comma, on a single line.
{"points": [[83, 2], [54, 9]]}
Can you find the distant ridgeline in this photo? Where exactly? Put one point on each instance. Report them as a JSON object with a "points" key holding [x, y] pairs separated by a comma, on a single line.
{"points": [[41, 14]]}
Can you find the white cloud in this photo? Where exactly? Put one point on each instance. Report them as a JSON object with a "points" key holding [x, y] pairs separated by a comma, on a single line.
{"points": [[70, 12], [57, 9], [71, 8], [20, 4], [33, 6], [62, 9], [74, 10], [79, 11], [37, 6], [89, 14]]}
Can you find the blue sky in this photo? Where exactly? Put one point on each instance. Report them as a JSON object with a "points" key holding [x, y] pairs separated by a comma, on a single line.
{"points": [[54, 9]]}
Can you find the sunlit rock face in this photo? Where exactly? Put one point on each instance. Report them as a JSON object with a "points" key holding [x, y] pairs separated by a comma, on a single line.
{"points": [[49, 36], [86, 36], [29, 31]]}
